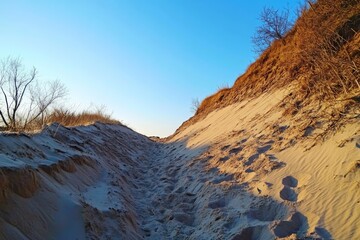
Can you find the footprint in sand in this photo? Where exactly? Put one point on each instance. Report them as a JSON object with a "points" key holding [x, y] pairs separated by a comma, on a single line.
{"points": [[290, 181], [297, 223], [288, 193], [267, 211], [223, 178], [254, 232], [224, 159], [235, 151]]}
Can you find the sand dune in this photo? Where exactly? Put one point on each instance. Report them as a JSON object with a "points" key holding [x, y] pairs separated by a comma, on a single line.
{"points": [[240, 173], [262, 150]]}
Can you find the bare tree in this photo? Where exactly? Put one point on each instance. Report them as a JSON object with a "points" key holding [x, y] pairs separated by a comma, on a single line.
{"points": [[14, 83], [274, 26], [41, 98], [23, 100], [195, 105]]}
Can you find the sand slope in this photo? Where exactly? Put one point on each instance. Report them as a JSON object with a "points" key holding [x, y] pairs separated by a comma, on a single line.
{"points": [[318, 182], [243, 172], [70, 183]]}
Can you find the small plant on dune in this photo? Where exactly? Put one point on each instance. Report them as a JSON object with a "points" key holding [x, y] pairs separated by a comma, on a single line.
{"points": [[223, 86], [195, 105]]}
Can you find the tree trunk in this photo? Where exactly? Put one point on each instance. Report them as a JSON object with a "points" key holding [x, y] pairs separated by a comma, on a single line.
{"points": [[2, 116]]}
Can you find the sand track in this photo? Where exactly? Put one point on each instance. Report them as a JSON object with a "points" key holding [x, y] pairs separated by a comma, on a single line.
{"points": [[180, 197], [251, 180]]}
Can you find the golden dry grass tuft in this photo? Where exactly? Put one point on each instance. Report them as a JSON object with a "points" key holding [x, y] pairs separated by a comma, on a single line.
{"points": [[70, 118]]}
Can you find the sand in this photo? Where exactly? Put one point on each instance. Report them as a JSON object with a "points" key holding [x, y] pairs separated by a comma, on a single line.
{"points": [[243, 172], [318, 179]]}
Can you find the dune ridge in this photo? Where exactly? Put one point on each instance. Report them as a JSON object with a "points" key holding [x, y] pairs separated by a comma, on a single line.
{"points": [[242, 172]]}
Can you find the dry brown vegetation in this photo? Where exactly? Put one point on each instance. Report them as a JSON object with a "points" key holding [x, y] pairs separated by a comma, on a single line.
{"points": [[28, 104], [67, 118], [319, 61], [70, 118]]}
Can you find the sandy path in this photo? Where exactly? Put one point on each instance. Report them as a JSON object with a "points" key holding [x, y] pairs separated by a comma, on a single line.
{"points": [[178, 197]]}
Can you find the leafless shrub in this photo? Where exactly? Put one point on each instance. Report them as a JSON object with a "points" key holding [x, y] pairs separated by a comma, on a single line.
{"points": [[41, 98], [195, 105], [274, 26], [24, 101]]}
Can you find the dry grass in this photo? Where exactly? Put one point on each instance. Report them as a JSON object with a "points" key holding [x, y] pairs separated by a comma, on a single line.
{"points": [[214, 101], [327, 37], [66, 118], [70, 118]]}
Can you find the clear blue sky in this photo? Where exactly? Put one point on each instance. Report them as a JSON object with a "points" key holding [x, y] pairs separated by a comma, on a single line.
{"points": [[145, 60]]}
